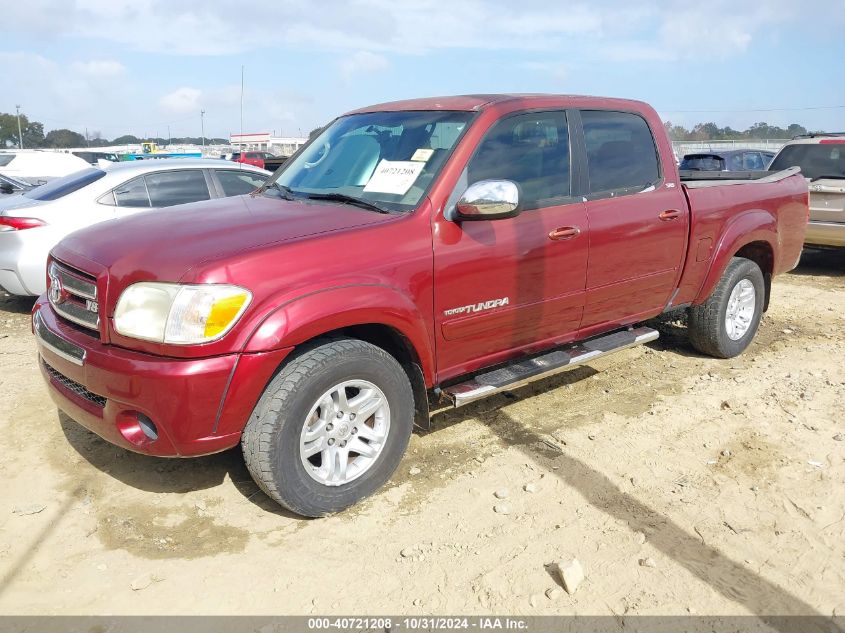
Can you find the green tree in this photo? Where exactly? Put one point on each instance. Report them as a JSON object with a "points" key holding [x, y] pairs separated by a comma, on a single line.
{"points": [[126, 139], [64, 138], [795, 130], [33, 131]]}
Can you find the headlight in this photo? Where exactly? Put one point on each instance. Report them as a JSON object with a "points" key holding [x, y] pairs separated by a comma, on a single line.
{"points": [[179, 314]]}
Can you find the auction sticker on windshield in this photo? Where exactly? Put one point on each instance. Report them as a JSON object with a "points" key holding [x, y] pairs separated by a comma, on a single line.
{"points": [[394, 176], [422, 154]]}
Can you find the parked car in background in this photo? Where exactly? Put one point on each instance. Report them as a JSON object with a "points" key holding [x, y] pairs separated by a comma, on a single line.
{"points": [[446, 249], [253, 158], [729, 160], [94, 157], [10, 186], [821, 158], [32, 223], [39, 166]]}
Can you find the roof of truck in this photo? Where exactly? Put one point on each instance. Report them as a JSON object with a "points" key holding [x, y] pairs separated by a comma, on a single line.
{"points": [[476, 102]]}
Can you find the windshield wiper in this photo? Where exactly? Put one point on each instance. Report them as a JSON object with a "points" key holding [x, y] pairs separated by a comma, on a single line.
{"points": [[286, 193], [342, 197], [832, 177]]}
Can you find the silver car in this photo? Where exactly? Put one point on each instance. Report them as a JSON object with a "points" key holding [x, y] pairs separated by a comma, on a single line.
{"points": [[33, 222]]}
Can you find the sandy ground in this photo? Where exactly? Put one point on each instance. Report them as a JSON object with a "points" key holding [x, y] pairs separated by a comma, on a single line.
{"points": [[682, 484]]}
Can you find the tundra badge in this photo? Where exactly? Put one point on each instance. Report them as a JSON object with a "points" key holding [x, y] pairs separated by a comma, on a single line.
{"points": [[478, 307]]}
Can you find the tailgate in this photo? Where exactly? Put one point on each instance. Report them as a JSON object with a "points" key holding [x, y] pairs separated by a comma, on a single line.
{"points": [[827, 200]]}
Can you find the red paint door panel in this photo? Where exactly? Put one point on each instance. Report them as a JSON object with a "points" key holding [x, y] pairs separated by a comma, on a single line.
{"points": [[514, 259], [638, 222], [503, 287]]}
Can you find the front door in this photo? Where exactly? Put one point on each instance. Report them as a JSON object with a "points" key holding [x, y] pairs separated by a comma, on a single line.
{"points": [[504, 287]]}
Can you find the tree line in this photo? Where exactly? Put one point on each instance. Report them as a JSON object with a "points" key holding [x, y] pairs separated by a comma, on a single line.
{"points": [[712, 132], [35, 138]]}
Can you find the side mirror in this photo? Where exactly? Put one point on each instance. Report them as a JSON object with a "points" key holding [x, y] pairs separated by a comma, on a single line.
{"points": [[489, 200]]}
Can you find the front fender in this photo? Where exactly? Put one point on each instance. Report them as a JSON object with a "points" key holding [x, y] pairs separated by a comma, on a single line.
{"points": [[306, 317], [751, 226]]}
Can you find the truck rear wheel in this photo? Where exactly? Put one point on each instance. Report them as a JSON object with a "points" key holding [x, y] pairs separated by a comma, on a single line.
{"points": [[330, 428], [725, 324]]}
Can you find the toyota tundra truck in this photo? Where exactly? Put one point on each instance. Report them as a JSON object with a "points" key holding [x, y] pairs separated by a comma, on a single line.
{"points": [[416, 253]]}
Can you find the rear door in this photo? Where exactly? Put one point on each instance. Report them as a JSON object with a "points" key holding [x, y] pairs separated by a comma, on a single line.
{"points": [[638, 222], [504, 285]]}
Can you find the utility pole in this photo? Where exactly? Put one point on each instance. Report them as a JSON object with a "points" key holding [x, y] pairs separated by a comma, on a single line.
{"points": [[20, 135], [202, 127], [169, 137]]}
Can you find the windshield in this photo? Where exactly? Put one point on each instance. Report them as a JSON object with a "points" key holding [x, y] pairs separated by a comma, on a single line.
{"points": [[814, 159], [59, 187], [385, 158]]}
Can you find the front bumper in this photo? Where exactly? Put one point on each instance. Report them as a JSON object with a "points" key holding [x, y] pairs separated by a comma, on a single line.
{"points": [[196, 406], [825, 234]]}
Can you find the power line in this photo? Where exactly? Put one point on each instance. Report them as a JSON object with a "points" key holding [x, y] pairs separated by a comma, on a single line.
{"points": [[835, 107]]}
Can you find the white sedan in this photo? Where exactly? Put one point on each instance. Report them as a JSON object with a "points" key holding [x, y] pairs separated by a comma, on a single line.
{"points": [[33, 222]]}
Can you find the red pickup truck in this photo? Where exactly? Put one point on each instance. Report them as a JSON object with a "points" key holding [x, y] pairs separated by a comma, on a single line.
{"points": [[438, 249]]}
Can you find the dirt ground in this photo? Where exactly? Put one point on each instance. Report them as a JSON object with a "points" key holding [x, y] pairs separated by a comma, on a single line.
{"points": [[682, 484]]}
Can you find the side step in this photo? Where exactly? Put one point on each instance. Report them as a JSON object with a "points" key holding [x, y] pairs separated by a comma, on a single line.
{"points": [[522, 372]]}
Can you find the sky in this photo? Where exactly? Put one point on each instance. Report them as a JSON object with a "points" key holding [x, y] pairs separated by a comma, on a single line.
{"points": [[148, 67]]}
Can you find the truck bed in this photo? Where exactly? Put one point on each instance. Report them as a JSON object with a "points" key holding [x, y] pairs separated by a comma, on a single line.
{"points": [[720, 206], [694, 179]]}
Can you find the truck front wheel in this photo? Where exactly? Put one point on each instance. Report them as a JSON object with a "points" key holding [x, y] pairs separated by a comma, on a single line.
{"points": [[724, 325], [330, 428]]}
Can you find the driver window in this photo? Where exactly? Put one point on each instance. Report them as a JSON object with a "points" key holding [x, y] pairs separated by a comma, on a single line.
{"points": [[531, 150]]}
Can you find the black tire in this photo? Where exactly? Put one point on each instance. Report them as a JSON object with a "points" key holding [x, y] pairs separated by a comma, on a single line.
{"points": [[707, 323], [271, 439]]}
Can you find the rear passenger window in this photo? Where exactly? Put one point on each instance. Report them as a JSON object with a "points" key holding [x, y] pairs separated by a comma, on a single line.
{"points": [[621, 155], [238, 183], [131, 194], [531, 150], [168, 188]]}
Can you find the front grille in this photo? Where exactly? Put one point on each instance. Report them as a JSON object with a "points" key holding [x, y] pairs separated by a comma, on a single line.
{"points": [[73, 295], [73, 386]]}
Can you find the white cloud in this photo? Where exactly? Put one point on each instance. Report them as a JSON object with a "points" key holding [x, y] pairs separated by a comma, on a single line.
{"points": [[362, 62], [65, 95], [99, 68], [651, 29], [182, 100], [214, 27]]}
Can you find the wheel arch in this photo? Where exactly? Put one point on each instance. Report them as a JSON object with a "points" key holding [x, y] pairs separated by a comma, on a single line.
{"points": [[378, 315], [751, 235]]}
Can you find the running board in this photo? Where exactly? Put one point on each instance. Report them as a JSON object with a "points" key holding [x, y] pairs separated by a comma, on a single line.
{"points": [[523, 372]]}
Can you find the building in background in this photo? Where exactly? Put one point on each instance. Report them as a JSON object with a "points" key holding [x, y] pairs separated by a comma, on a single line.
{"points": [[264, 141]]}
